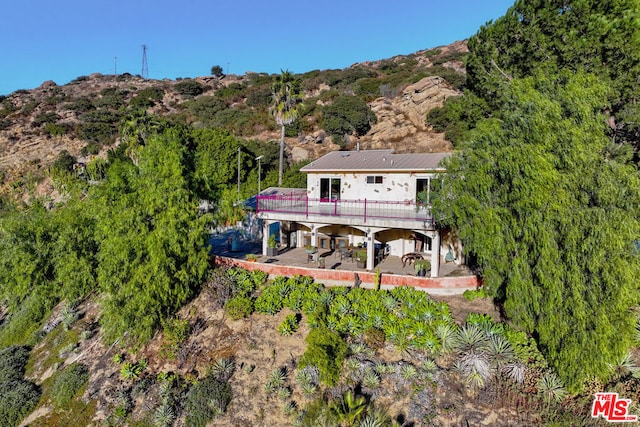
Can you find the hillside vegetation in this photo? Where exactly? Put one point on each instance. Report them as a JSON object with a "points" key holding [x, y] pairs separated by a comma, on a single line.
{"points": [[111, 313], [86, 116]]}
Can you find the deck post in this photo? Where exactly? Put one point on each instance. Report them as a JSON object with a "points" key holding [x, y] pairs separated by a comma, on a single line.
{"points": [[365, 211], [371, 250], [265, 237], [435, 253]]}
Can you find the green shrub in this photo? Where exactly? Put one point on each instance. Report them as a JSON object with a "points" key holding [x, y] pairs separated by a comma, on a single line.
{"points": [[46, 117], [239, 307], [422, 264], [470, 295], [13, 361], [131, 371], [55, 129], [270, 301], [326, 350], [17, 399], [64, 162], [189, 88], [290, 325], [23, 325], [205, 400], [347, 115], [80, 105], [90, 148], [234, 92], [68, 382], [176, 332]]}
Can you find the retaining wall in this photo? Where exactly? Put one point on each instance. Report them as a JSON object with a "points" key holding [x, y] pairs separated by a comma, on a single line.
{"points": [[434, 285]]}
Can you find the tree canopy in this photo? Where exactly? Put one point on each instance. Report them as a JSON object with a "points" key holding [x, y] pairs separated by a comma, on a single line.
{"points": [[152, 252], [600, 38], [550, 208]]}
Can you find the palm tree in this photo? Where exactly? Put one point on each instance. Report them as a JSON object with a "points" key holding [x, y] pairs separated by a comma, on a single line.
{"points": [[286, 95]]}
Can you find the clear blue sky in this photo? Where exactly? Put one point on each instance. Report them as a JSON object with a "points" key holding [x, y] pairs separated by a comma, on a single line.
{"points": [[60, 40]]}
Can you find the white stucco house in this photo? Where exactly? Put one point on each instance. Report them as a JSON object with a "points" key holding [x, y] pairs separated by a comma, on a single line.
{"points": [[375, 198]]}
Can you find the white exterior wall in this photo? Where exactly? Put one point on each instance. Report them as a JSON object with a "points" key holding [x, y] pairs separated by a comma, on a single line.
{"points": [[396, 187]]}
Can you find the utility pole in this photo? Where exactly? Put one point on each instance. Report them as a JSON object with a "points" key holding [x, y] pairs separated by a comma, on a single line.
{"points": [[145, 66], [238, 174], [259, 159]]}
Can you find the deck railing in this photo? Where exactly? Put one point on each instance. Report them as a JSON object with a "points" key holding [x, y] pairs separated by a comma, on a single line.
{"points": [[363, 209]]}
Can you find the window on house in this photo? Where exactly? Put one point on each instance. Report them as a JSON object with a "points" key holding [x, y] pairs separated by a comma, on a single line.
{"points": [[374, 179], [330, 189], [427, 189]]}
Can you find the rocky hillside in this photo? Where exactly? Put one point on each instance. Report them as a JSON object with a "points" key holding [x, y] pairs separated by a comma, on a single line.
{"points": [[84, 117]]}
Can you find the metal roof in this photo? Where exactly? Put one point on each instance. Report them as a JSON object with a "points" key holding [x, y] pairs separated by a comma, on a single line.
{"points": [[375, 160]]}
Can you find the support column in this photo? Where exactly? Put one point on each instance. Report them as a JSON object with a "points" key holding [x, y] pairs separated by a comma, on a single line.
{"points": [[265, 237], [435, 253], [314, 236], [371, 250]]}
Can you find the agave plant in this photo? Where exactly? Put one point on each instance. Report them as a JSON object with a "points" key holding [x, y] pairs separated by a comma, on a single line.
{"points": [[303, 376], [429, 365], [470, 338], [375, 418], [408, 372], [475, 368], [350, 408], [163, 416], [389, 302], [446, 332], [551, 387], [625, 366], [370, 379], [516, 371], [353, 364], [218, 406], [283, 393], [309, 390], [223, 368], [276, 380], [360, 348], [290, 408], [499, 351], [341, 306]]}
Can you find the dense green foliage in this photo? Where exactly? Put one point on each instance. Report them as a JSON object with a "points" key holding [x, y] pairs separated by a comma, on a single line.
{"points": [[347, 115], [326, 350], [68, 382], [152, 252], [550, 208], [18, 397], [13, 361], [205, 400], [189, 88], [541, 37]]}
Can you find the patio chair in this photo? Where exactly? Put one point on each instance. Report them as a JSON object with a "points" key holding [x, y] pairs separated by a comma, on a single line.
{"points": [[346, 254]]}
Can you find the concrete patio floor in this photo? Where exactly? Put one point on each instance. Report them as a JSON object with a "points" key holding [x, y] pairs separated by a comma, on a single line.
{"points": [[297, 257]]}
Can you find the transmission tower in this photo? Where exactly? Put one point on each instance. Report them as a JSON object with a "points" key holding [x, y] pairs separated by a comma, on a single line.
{"points": [[145, 66]]}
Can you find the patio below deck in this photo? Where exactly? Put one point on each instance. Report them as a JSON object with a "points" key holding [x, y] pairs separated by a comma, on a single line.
{"points": [[452, 278]]}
